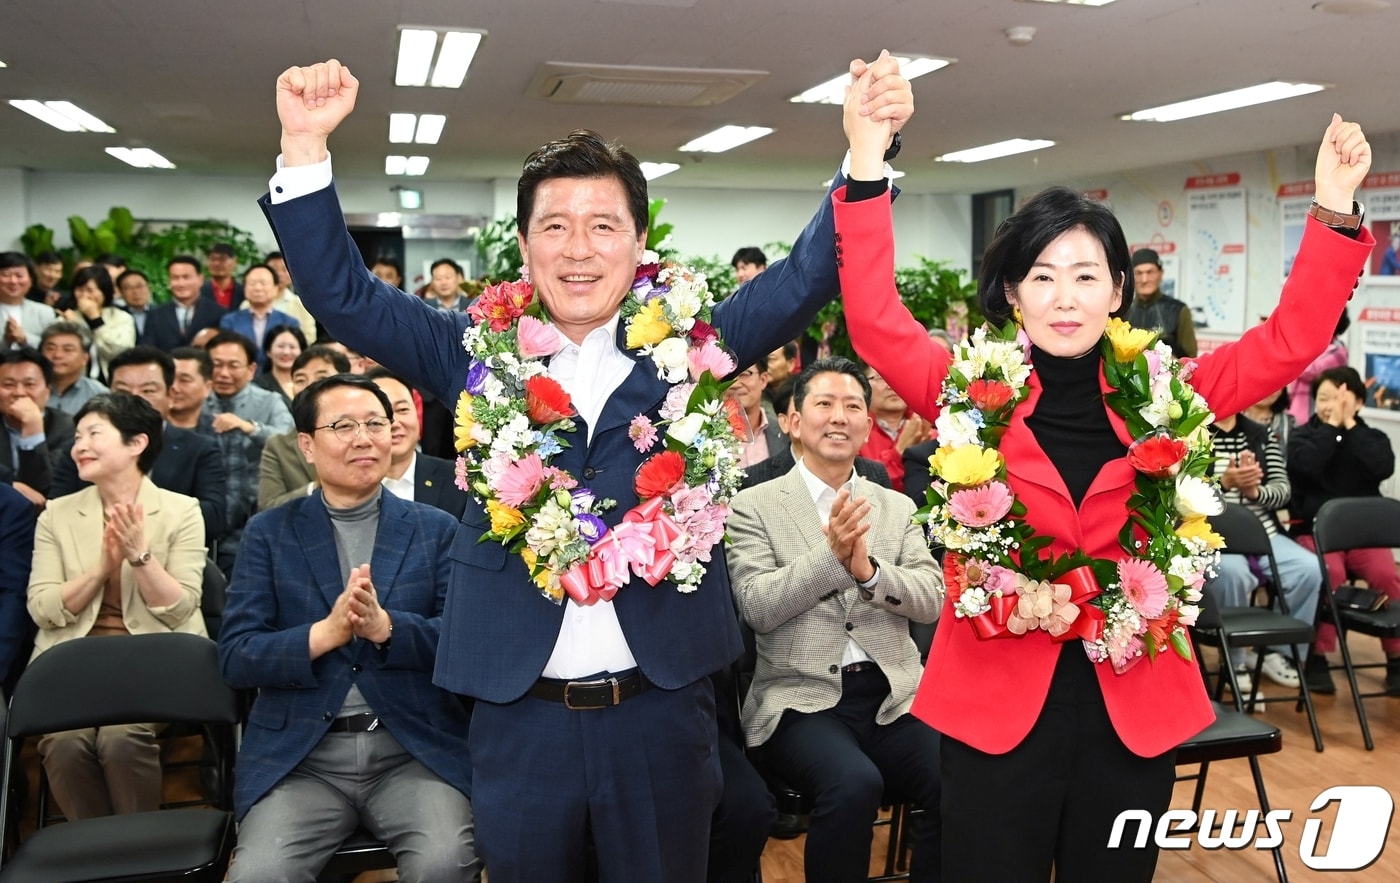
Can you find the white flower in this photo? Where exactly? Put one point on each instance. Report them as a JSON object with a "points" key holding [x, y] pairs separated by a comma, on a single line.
{"points": [[973, 602], [956, 428], [685, 299], [1183, 568], [1195, 496], [1156, 412], [672, 364], [685, 429], [1187, 614]]}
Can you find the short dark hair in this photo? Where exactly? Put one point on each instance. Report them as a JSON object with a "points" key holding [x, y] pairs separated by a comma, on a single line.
{"points": [[379, 372], [48, 257], [145, 354], [11, 259], [185, 259], [194, 353], [1343, 323], [1345, 377], [260, 267], [273, 333], [21, 354], [225, 337], [445, 262], [126, 274], [62, 327], [1043, 218], [749, 254], [99, 276], [273, 256], [582, 154], [388, 261], [782, 395], [832, 365], [307, 404], [111, 259], [132, 416], [338, 361], [789, 350]]}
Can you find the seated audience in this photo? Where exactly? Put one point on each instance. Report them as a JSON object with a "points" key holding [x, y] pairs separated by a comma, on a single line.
{"points": [[17, 516], [135, 290], [48, 274], [765, 439], [388, 269], [120, 557], [66, 345], [1300, 391], [23, 317], [782, 461], [244, 418], [1336, 454], [221, 287], [415, 476], [333, 616], [260, 289], [281, 346], [445, 290], [284, 473], [894, 429], [287, 300], [1249, 463], [1273, 413], [782, 366], [748, 262], [112, 328], [176, 322], [37, 436], [189, 394], [829, 569]]}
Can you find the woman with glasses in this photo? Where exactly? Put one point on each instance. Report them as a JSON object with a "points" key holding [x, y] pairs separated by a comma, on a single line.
{"points": [[121, 557]]}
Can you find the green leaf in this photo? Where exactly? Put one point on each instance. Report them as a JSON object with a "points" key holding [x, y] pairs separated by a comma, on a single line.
{"points": [[1180, 644]]}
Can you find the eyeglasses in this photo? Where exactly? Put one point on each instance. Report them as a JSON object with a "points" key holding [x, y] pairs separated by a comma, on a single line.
{"points": [[349, 430]]}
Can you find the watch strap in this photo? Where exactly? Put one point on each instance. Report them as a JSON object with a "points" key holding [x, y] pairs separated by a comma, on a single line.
{"points": [[1337, 219]]}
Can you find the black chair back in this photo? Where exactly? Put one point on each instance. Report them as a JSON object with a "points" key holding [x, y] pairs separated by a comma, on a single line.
{"points": [[213, 593], [1243, 532], [1357, 523]]}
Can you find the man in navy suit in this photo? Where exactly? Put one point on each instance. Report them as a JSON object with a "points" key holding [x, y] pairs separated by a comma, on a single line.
{"points": [[176, 322], [333, 617], [415, 476], [17, 519], [589, 719]]}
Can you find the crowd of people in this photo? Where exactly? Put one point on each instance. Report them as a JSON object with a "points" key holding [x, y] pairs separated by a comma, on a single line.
{"points": [[424, 668]]}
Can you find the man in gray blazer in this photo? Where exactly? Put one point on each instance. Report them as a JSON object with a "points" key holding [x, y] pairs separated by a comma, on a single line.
{"points": [[829, 569]]}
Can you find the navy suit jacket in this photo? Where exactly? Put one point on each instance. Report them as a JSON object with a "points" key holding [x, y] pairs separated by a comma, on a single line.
{"points": [[163, 323], [288, 577], [435, 483], [241, 321], [500, 629], [17, 519]]}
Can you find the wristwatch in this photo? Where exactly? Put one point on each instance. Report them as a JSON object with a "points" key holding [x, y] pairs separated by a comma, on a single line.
{"points": [[866, 585], [141, 560], [893, 150], [1337, 219]]}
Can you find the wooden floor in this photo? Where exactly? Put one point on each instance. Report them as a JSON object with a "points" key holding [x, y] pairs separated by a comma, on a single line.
{"points": [[1294, 777]]}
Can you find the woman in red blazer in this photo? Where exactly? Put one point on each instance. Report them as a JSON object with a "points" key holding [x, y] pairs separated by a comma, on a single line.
{"points": [[1042, 748]]}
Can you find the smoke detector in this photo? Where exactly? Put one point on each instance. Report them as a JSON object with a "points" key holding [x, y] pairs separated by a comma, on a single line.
{"points": [[1020, 35]]}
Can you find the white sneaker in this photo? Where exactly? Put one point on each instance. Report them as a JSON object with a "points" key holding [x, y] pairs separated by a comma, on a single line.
{"points": [[1280, 670], [1245, 682]]}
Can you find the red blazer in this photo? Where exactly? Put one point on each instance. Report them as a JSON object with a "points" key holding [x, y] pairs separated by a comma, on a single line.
{"points": [[990, 693]]}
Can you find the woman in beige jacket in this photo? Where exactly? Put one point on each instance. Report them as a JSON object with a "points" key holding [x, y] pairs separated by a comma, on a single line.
{"points": [[121, 557]]}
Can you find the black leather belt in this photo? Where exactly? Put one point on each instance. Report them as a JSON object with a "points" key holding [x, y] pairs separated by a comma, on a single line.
{"points": [[583, 695], [864, 665], [355, 723]]}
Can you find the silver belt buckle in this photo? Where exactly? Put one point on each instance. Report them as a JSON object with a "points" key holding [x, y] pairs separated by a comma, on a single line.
{"points": [[616, 693]]}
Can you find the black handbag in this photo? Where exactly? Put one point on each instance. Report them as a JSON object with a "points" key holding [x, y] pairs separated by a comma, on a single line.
{"points": [[1360, 600]]}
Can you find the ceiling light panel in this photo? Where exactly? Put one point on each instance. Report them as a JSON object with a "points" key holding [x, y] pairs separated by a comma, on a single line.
{"points": [[401, 127], [1232, 100], [140, 157], [833, 91], [419, 49], [994, 151], [430, 128], [724, 138], [654, 170], [63, 115]]}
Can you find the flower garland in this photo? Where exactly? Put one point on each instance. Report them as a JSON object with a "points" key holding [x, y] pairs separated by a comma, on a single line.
{"points": [[512, 419], [998, 578]]}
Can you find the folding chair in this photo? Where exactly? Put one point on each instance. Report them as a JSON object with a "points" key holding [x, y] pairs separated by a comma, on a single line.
{"points": [[1259, 627], [1343, 524], [112, 680], [1233, 735]]}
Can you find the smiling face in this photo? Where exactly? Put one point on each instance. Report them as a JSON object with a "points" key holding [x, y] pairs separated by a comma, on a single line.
{"points": [[67, 355], [259, 288], [284, 351], [136, 291], [833, 421], [100, 452], [353, 469], [190, 389], [1068, 295], [404, 434], [582, 249], [14, 284], [232, 370], [447, 283], [147, 381], [185, 280]]}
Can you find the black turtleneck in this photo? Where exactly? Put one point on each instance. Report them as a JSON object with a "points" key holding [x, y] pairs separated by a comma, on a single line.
{"points": [[1070, 422]]}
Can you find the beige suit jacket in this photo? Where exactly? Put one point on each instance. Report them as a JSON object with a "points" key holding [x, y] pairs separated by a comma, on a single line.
{"points": [[283, 473], [68, 543], [803, 605]]}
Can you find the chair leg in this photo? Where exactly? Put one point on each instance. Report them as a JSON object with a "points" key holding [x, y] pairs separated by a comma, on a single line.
{"points": [[1264, 808], [1200, 793], [1305, 698], [1351, 675]]}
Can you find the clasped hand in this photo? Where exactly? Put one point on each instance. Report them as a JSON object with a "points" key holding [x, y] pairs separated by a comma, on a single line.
{"points": [[123, 536], [845, 533], [356, 612]]}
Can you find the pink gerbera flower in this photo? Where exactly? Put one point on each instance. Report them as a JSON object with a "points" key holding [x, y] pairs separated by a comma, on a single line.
{"points": [[981, 506], [1144, 586], [520, 481]]}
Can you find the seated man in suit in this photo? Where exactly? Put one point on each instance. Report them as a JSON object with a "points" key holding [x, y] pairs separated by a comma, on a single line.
{"points": [[781, 462], [176, 322], [415, 476], [284, 473], [829, 569], [258, 313], [35, 436], [333, 617], [17, 520]]}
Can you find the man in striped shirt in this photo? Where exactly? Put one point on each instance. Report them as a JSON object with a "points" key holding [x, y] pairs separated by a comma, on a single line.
{"points": [[1252, 472]]}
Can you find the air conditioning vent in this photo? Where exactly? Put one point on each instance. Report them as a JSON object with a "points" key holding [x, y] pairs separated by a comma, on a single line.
{"points": [[569, 83]]}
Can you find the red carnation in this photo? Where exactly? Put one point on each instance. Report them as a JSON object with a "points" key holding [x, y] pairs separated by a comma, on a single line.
{"points": [[659, 475], [701, 332], [1158, 456], [988, 395], [546, 401], [500, 305]]}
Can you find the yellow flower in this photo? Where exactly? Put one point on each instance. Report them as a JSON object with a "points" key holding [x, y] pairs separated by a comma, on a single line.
{"points": [[504, 518], [544, 577], [649, 326], [1128, 342], [1197, 528], [966, 464], [462, 431]]}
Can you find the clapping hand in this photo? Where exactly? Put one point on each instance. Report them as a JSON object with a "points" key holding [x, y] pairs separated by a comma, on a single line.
{"points": [[126, 522], [367, 619], [845, 533]]}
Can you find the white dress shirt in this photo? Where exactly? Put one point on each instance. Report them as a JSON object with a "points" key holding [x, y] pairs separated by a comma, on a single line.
{"points": [[402, 487], [824, 496]]}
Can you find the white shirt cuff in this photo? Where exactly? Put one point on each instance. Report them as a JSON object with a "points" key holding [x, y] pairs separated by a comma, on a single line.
{"points": [[292, 182], [845, 170]]}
